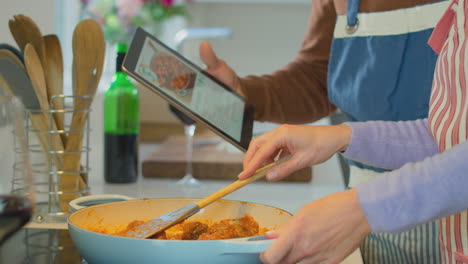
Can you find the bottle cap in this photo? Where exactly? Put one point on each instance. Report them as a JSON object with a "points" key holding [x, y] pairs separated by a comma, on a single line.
{"points": [[121, 51]]}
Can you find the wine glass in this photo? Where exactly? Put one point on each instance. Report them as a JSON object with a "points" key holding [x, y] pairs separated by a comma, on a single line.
{"points": [[17, 192], [189, 131], [189, 124]]}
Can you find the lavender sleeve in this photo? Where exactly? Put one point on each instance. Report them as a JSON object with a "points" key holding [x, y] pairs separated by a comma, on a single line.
{"points": [[430, 186], [389, 145]]}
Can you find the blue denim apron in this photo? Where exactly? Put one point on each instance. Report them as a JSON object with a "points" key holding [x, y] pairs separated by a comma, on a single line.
{"points": [[381, 69]]}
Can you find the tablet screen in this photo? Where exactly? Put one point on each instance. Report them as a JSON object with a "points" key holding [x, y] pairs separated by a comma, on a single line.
{"points": [[183, 84]]}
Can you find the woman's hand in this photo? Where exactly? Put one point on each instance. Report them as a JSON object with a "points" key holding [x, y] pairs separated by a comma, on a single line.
{"points": [[323, 231], [218, 68], [308, 145]]}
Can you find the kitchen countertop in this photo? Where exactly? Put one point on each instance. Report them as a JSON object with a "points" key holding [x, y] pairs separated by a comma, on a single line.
{"points": [[290, 196], [326, 179]]}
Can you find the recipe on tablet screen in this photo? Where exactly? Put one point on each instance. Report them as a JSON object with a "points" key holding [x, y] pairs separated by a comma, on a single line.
{"points": [[194, 91]]}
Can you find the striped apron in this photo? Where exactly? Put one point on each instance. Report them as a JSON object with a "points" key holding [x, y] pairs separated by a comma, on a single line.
{"points": [[381, 69], [448, 113]]}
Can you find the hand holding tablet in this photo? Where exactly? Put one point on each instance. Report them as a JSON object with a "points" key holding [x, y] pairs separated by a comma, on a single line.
{"points": [[189, 89]]}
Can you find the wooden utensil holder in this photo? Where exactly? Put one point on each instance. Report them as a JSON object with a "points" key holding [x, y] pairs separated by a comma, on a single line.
{"points": [[46, 147]]}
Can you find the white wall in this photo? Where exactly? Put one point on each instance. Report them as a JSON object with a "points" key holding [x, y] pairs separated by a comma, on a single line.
{"points": [[265, 37], [41, 11]]}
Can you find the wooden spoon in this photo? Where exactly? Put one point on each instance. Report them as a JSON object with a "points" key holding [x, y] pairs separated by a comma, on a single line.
{"points": [[36, 74], [88, 61], [164, 222], [24, 31], [54, 79]]}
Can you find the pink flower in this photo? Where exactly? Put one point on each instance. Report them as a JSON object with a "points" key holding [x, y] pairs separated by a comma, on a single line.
{"points": [[99, 8], [167, 3], [128, 8]]}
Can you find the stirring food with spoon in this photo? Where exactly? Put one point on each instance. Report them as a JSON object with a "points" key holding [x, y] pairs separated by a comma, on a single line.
{"points": [[159, 224], [199, 230]]}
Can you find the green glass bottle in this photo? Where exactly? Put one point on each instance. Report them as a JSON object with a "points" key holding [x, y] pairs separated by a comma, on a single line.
{"points": [[121, 126]]}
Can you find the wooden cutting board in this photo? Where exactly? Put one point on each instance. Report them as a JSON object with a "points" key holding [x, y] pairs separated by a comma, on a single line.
{"points": [[211, 160]]}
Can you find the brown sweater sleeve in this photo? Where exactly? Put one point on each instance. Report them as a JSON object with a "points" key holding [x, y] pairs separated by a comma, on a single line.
{"points": [[297, 93]]}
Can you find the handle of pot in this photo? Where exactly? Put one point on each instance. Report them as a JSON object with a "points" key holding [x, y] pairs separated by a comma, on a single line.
{"points": [[90, 200]]}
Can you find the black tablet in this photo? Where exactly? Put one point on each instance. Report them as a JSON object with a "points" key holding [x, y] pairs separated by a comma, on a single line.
{"points": [[187, 87]]}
